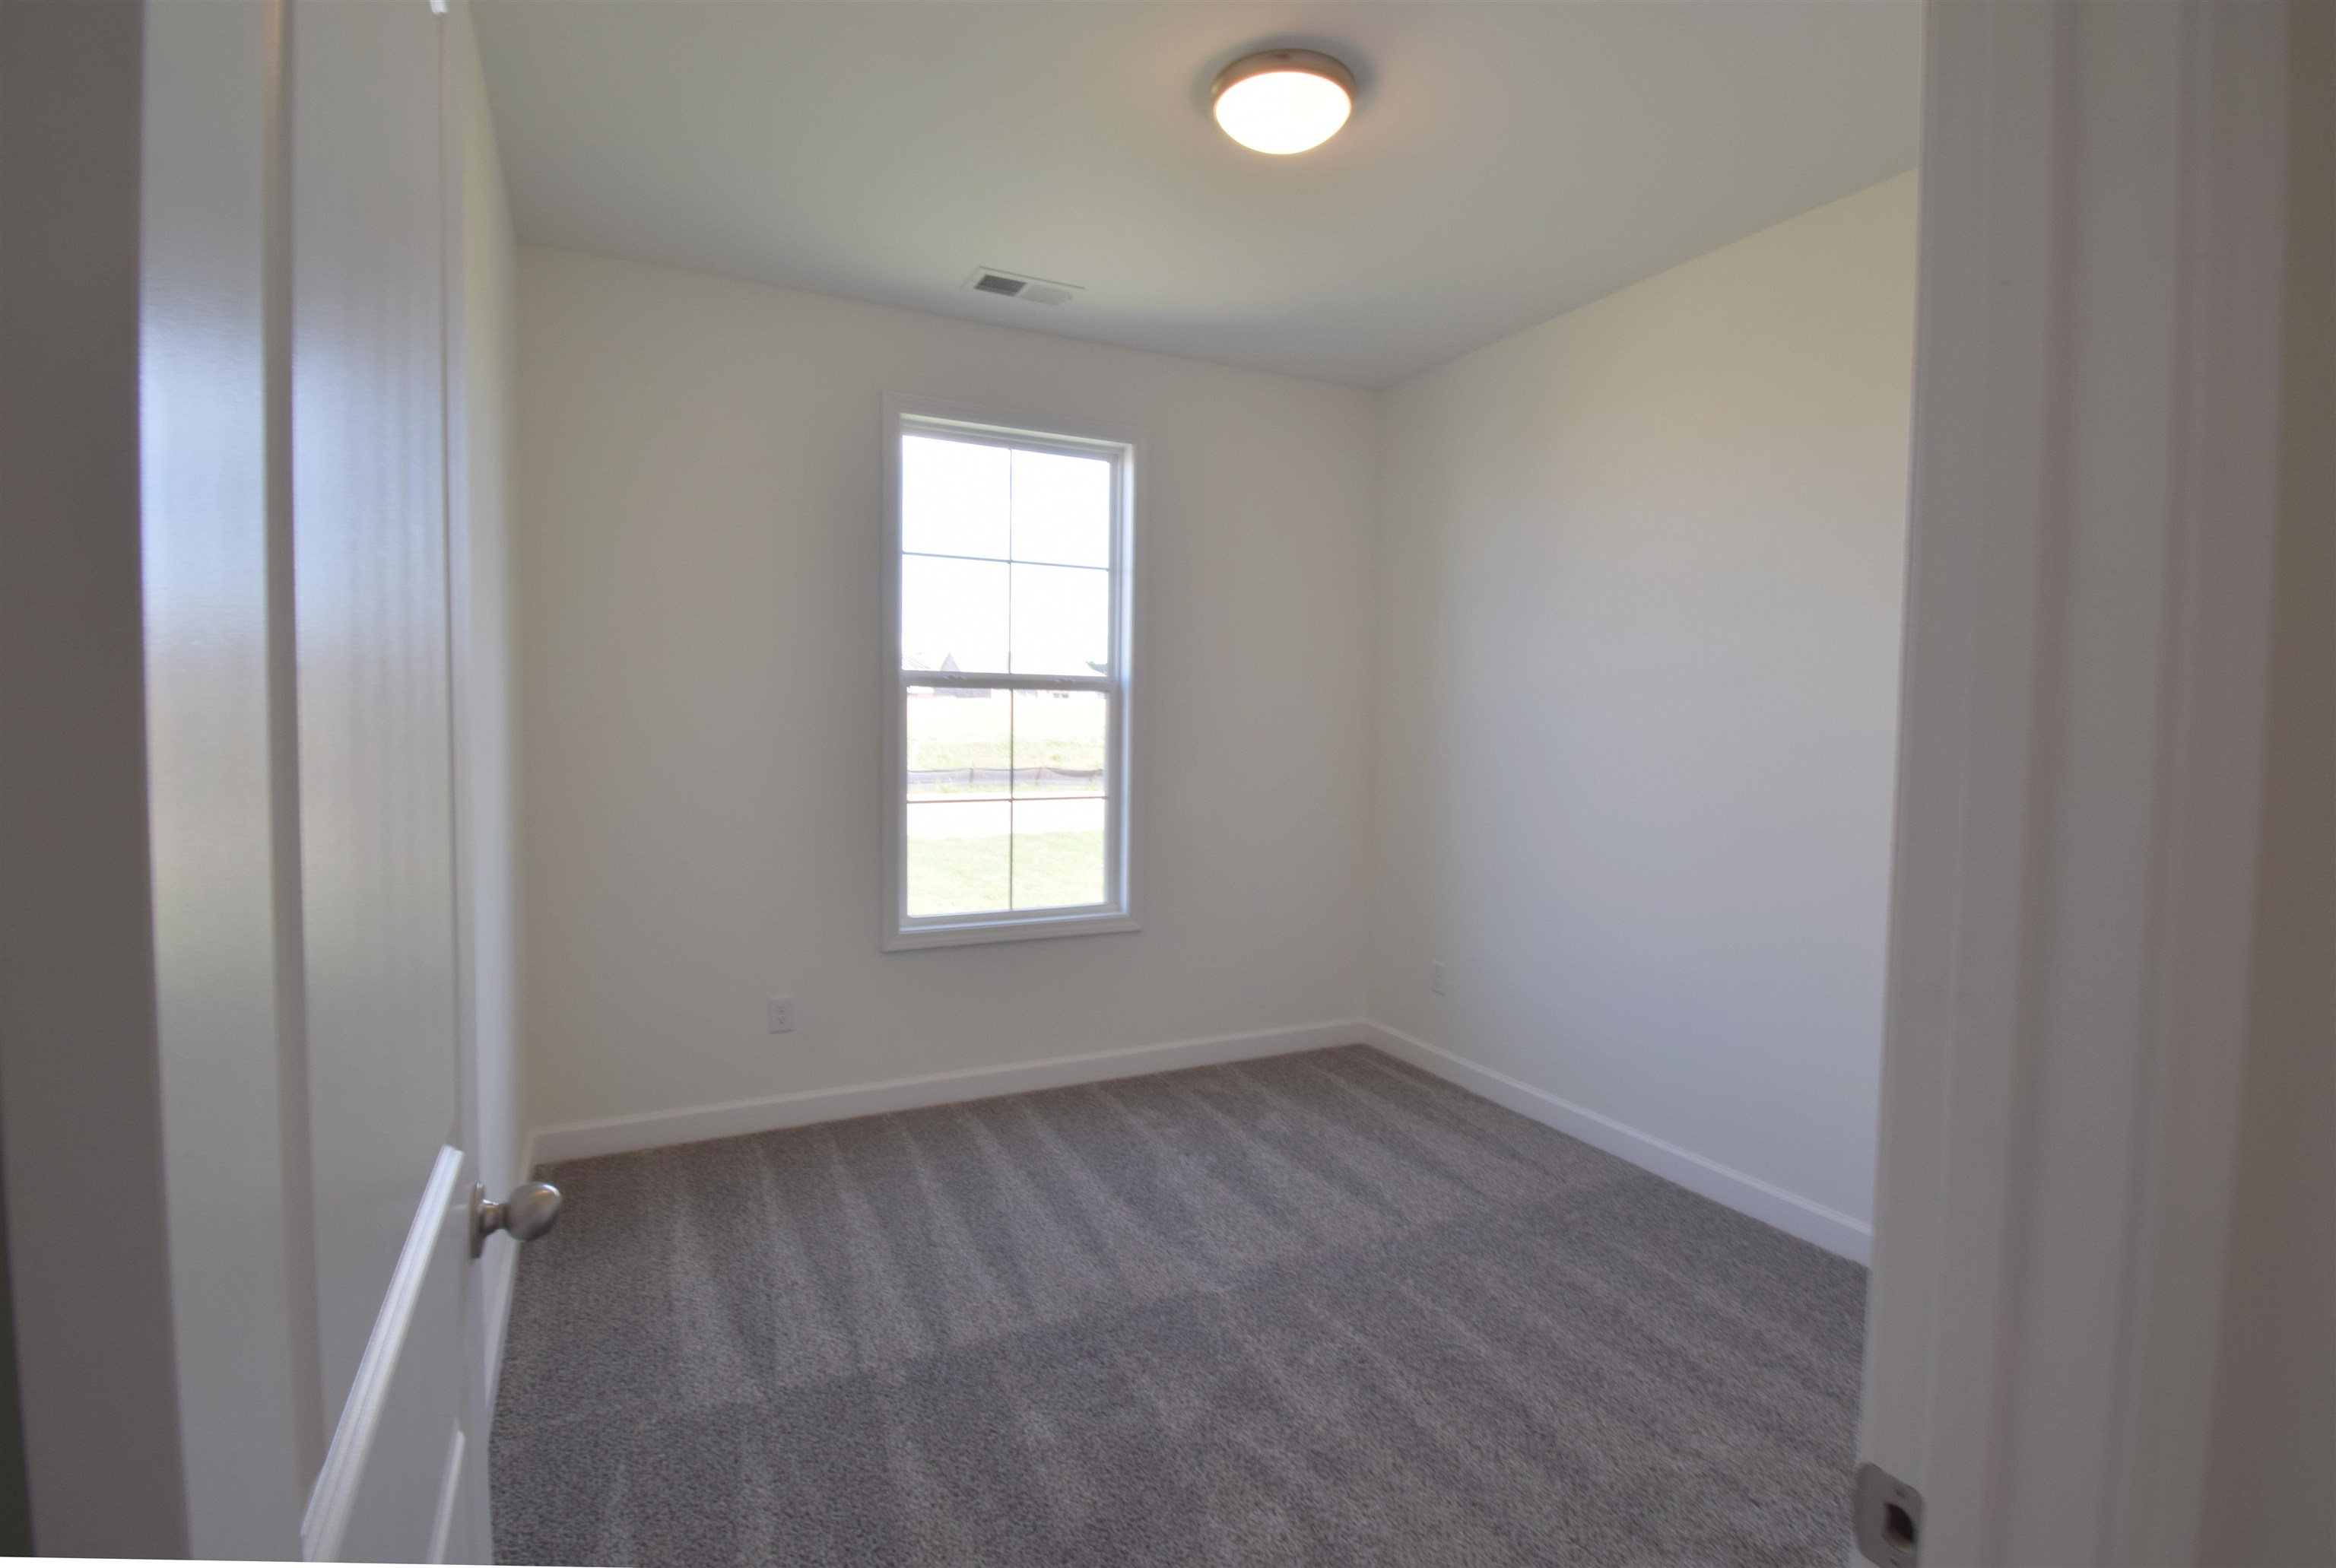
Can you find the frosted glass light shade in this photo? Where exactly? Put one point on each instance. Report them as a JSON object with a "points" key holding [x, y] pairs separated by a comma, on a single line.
{"points": [[1284, 101]]}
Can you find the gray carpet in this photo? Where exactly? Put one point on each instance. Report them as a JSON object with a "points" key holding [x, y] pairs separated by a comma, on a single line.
{"points": [[1319, 1308]]}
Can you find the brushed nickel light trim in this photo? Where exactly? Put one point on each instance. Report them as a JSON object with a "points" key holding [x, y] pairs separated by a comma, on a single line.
{"points": [[1301, 118]]}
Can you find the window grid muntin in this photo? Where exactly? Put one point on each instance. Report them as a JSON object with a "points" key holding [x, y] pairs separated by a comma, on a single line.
{"points": [[1013, 796], [1116, 453]]}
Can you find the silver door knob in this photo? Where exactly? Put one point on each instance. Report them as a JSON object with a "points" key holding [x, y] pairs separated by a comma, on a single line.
{"points": [[532, 1209]]}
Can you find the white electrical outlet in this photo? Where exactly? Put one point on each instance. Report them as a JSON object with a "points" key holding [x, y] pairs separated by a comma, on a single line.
{"points": [[783, 1015], [1435, 977]]}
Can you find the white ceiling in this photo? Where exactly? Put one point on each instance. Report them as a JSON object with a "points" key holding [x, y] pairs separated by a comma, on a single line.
{"points": [[1505, 162]]}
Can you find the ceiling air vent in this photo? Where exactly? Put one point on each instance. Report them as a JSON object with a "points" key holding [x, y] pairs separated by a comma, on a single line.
{"points": [[1013, 286]]}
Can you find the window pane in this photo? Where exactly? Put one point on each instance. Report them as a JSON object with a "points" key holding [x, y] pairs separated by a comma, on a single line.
{"points": [[960, 742], [1059, 741], [958, 856], [1061, 620], [953, 496], [1058, 853], [953, 613], [1062, 508]]}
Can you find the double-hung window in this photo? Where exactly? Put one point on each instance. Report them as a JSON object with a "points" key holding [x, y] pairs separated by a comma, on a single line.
{"points": [[1007, 570]]}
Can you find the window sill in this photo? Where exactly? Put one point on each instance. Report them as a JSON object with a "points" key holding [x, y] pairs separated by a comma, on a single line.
{"points": [[1028, 929]]}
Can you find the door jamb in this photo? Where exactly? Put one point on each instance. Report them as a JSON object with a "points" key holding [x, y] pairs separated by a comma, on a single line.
{"points": [[2094, 487]]}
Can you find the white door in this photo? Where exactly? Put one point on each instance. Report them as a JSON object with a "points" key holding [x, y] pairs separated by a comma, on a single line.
{"points": [[294, 485], [390, 1170]]}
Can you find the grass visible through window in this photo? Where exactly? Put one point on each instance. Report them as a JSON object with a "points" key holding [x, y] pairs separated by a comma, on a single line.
{"points": [[950, 876]]}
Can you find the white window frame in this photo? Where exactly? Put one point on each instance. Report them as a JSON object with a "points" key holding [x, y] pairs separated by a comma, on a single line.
{"points": [[1117, 912]]}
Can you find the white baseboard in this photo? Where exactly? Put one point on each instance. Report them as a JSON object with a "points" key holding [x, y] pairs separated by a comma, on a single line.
{"points": [[660, 1129], [1789, 1212]]}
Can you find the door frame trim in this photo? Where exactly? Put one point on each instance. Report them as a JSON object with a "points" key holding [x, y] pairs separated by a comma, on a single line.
{"points": [[2081, 767]]}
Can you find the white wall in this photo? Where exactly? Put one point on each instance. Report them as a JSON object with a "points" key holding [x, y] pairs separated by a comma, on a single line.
{"points": [[698, 610], [1638, 618]]}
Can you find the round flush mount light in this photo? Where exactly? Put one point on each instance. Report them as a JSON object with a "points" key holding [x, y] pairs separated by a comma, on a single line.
{"points": [[1284, 99]]}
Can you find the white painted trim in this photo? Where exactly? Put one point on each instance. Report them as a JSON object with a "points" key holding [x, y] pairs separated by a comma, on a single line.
{"points": [[214, 240], [328, 1518], [736, 1118], [1121, 911], [500, 1278], [1764, 1201], [449, 1491], [2093, 534]]}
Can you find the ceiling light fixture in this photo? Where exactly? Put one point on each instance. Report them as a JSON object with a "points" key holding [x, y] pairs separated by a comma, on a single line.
{"points": [[1284, 99]]}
